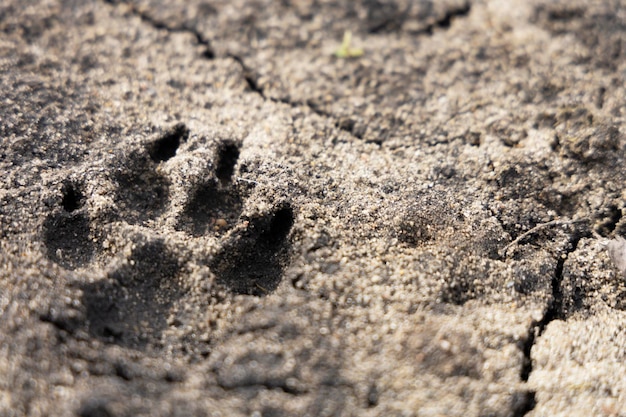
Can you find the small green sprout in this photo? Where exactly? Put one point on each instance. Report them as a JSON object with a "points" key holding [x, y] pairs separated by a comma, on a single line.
{"points": [[346, 50]]}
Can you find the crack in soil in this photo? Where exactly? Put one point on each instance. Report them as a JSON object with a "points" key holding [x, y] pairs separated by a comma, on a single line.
{"points": [[248, 73], [251, 80], [209, 53], [555, 311], [253, 85]]}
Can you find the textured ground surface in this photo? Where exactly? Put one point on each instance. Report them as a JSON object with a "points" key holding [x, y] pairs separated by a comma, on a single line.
{"points": [[204, 212]]}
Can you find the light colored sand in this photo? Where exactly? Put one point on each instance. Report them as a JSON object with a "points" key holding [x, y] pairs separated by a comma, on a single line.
{"points": [[204, 212]]}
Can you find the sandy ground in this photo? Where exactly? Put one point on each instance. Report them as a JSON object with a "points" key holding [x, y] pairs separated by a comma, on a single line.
{"points": [[205, 212]]}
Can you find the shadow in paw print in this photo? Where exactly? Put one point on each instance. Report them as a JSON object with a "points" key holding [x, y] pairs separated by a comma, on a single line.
{"points": [[227, 156], [166, 146], [131, 306], [66, 232], [142, 193], [211, 209], [215, 207], [252, 262]]}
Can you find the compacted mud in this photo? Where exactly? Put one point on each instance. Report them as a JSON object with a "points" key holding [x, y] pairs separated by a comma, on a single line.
{"points": [[205, 210]]}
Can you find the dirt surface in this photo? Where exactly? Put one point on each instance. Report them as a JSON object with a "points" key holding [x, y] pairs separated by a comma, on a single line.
{"points": [[205, 212]]}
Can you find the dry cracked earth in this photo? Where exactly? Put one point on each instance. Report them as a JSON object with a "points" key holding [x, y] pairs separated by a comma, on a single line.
{"points": [[204, 212]]}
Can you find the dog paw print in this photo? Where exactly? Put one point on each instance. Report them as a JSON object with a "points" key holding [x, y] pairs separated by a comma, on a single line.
{"points": [[141, 284], [215, 206], [67, 230], [131, 305], [142, 192], [251, 261]]}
